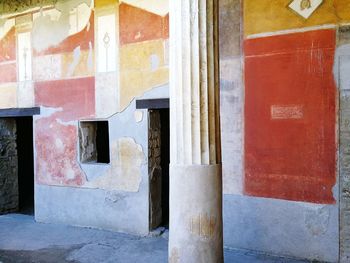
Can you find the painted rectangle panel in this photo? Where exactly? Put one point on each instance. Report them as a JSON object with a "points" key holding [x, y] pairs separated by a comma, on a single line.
{"points": [[8, 72], [8, 97], [290, 117], [24, 56], [106, 43], [74, 98], [284, 112]]}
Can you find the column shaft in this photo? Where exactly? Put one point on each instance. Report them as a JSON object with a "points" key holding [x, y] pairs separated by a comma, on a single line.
{"points": [[195, 170]]}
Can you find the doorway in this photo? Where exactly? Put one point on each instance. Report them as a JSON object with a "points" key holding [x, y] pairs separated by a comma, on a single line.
{"points": [[158, 165], [16, 165], [25, 165]]}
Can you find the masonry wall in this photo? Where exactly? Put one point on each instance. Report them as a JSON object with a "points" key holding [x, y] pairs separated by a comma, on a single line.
{"points": [[8, 166]]}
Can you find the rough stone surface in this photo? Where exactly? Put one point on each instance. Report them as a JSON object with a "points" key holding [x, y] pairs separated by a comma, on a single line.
{"points": [[8, 166], [87, 142], [59, 243], [155, 169], [344, 159], [230, 28]]}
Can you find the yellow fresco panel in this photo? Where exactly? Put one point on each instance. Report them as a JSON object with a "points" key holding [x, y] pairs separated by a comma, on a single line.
{"points": [[264, 16], [8, 97], [134, 83], [143, 55], [103, 3]]}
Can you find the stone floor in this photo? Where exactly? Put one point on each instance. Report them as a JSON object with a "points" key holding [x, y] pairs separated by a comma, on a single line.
{"points": [[22, 240]]}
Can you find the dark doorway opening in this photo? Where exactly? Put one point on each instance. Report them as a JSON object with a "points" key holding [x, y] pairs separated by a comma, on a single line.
{"points": [[159, 159], [25, 154]]}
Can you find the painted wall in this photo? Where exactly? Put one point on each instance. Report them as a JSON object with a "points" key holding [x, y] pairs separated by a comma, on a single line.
{"points": [[83, 61], [283, 122], [282, 63]]}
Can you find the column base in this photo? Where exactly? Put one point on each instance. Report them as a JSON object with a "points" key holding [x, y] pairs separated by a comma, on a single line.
{"points": [[195, 227]]}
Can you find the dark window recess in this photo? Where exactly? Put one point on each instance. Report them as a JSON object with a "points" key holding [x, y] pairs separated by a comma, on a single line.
{"points": [[94, 142]]}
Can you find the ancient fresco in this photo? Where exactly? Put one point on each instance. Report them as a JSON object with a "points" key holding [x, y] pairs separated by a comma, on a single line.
{"points": [[290, 117]]}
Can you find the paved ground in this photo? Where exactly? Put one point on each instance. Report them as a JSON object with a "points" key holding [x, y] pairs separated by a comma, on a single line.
{"points": [[24, 241]]}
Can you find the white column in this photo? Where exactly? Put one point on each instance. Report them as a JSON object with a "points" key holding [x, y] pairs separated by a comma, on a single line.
{"points": [[195, 169]]}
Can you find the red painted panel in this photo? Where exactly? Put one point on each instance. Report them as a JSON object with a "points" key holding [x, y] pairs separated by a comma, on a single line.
{"points": [[82, 39], [290, 117], [56, 153], [8, 46], [76, 97], [8, 72], [137, 25]]}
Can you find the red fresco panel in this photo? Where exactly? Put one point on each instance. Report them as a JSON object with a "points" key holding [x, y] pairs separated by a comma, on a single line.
{"points": [[137, 25], [290, 117], [8, 72], [56, 153], [76, 97]]}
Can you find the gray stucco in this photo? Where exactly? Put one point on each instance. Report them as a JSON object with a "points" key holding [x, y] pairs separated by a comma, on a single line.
{"points": [[296, 229]]}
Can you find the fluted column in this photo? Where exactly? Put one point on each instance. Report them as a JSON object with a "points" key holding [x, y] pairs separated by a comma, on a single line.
{"points": [[195, 160]]}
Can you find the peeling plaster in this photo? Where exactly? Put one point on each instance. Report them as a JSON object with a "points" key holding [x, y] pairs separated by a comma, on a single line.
{"points": [[125, 172], [76, 59], [138, 116], [48, 31]]}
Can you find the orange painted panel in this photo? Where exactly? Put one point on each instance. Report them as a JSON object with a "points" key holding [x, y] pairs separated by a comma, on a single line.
{"points": [[137, 25], [290, 117]]}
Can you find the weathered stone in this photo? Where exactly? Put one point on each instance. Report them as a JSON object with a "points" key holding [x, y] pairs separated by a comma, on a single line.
{"points": [[8, 166], [87, 139], [230, 28], [344, 160]]}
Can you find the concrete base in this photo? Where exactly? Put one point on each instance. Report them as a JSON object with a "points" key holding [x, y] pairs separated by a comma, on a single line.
{"points": [[294, 229], [195, 214]]}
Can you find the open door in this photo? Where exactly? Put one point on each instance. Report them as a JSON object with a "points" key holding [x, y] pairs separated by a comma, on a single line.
{"points": [[158, 160]]}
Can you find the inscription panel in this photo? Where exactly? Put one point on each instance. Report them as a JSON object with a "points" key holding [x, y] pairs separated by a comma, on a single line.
{"points": [[283, 112]]}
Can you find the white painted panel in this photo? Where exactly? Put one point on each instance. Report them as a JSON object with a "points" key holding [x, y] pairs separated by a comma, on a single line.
{"points": [[106, 43], [24, 54]]}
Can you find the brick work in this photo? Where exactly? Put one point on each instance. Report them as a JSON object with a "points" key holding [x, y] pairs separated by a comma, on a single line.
{"points": [[8, 166]]}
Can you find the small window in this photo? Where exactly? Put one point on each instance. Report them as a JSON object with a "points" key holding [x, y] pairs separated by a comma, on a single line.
{"points": [[94, 142]]}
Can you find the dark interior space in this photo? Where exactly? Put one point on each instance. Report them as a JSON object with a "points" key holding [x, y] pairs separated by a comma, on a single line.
{"points": [[102, 142], [165, 161], [158, 164], [25, 164]]}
